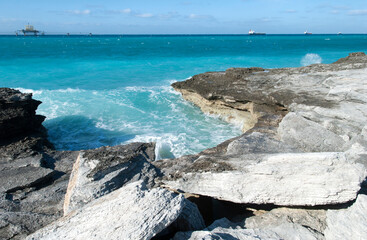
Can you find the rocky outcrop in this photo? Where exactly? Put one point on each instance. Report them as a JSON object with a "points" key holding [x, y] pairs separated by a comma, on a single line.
{"points": [[304, 145], [331, 95], [18, 115], [33, 177], [131, 212], [295, 163], [101, 171]]}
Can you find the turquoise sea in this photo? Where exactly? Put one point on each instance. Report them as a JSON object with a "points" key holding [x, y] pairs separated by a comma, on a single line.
{"points": [[107, 90]]}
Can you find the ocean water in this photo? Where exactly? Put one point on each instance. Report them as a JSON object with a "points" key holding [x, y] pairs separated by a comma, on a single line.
{"points": [[109, 90]]}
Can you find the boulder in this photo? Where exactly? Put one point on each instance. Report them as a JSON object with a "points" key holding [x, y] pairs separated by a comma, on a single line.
{"points": [[291, 223], [130, 212], [225, 230], [285, 179], [349, 223], [100, 171]]}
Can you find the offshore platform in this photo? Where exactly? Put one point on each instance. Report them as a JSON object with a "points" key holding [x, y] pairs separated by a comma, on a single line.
{"points": [[29, 31]]}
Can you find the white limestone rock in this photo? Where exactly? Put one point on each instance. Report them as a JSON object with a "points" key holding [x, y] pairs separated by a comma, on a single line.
{"points": [[223, 229], [350, 223], [290, 179], [291, 223], [281, 223], [257, 142], [100, 171], [131, 212], [308, 135]]}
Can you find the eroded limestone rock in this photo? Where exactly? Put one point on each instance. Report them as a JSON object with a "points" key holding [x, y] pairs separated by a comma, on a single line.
{"points": [[291, 223], [130, 212], [350, 223], [103, 170], [290, 179]]}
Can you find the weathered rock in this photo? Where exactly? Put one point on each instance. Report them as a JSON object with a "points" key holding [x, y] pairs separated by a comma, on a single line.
{"points": [[103, 170], [325, 110], [17, 225], [281, 223], [18, 114], [308, 135], [225, 230], [331, 95], [131, 212], [257, 142], [23, 177], [290, 179], [350, 223], [34, 197], [33, 177], [291, 223]]}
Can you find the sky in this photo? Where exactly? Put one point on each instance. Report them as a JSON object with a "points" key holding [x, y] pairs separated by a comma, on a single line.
{"points": [[184, 16]]}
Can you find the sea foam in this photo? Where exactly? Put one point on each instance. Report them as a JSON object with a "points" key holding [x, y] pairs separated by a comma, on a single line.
{"points": [[311, 58]]}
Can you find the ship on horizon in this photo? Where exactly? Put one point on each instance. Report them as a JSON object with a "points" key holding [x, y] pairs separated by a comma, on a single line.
{"points": [[252, 32], [29, 31], [307, 33]]}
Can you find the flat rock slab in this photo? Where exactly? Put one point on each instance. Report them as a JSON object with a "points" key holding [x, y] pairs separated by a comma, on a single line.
{"points": [[308, 136], [18, 178], [17, 225], [350, 223], [131, 212], [290, 179], [100, 171]]}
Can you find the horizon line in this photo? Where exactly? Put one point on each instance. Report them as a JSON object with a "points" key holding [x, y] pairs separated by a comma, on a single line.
{"points": [[173, 34]]}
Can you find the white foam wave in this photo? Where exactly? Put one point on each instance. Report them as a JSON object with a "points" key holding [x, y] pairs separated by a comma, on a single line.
{"points": [[67, 90], [165, 145], [311, 58], [25, 90]]}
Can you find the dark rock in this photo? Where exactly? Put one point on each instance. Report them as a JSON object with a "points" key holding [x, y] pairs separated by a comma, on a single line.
{"points": [[18, 115], [33, 177]]}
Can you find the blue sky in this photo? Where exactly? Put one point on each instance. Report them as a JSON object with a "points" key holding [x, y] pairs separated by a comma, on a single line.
{"points": [[185, 16]]}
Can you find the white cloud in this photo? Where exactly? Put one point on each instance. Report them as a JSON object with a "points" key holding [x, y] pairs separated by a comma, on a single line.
{"points": [[127, 10], [80, 12], [144, 15], [290, 11], [198, 16], [358, 12]]}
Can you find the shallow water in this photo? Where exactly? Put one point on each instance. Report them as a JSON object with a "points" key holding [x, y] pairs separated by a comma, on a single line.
{"points": [[108, 90]]}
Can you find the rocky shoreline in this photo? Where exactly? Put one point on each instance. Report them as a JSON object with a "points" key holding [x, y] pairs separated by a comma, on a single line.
{"points": [[297, 172]]}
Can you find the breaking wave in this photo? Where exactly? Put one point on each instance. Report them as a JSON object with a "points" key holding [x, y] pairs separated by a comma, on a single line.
{"points": [[311, 58], [83, 119]]}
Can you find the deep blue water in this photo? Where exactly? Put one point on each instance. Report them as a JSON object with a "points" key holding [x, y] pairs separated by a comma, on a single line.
{"points": [[108, 90]]}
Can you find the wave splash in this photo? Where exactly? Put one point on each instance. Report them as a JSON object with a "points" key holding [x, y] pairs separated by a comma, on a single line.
{"points": [[83, 119], [311, 58]]}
